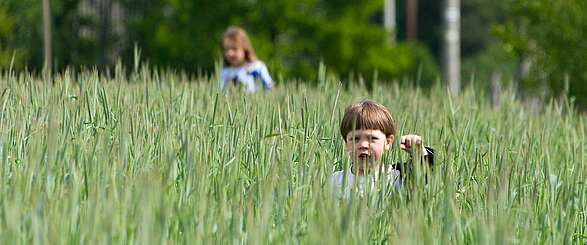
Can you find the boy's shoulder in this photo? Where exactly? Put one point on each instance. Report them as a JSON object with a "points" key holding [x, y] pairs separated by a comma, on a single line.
{"points": [[338, 176], [390, 170]]}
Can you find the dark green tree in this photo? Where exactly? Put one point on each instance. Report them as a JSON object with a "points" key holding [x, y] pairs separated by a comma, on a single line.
{"points": [[13, 35], [552, 34], [292, 37], [180, 34]]}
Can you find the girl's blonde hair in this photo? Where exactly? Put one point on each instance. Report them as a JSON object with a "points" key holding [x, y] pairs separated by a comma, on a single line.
{"points": [[240, 37]]}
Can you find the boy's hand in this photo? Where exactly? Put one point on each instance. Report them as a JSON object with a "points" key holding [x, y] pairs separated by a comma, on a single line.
{"points": [[412, 143]]}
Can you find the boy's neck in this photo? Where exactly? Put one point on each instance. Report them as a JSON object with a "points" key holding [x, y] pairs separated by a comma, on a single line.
{"points": [[358, 171]]}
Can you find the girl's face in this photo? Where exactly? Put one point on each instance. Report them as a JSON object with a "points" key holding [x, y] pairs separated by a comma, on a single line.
{"points": [[233, 53], [366, 148]]}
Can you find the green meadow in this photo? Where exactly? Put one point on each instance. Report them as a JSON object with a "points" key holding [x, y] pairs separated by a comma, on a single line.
{"points": [[160, 157]]}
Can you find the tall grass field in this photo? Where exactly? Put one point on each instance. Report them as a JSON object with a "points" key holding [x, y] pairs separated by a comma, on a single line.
{"points": [[161, 157]]}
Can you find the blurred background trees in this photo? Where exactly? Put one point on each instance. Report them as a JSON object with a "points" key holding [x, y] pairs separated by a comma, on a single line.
{"points": [[550, 42], [538, 44]]}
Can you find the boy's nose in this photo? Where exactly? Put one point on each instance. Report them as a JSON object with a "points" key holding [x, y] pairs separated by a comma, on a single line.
{"points": [[364, 144]]}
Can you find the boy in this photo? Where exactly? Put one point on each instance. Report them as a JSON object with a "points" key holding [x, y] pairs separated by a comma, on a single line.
{"points": [[368, 131]]}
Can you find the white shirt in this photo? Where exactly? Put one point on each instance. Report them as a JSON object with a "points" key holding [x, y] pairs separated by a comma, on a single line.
{"points": [[246, 75], [360, 183]]}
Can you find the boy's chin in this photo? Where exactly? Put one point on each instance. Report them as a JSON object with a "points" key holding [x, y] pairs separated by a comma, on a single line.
{"points": [[365, 164], [368, 161]]}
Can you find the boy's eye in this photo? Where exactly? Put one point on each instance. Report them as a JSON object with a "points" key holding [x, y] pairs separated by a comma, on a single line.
{"points": [[372, 139]]}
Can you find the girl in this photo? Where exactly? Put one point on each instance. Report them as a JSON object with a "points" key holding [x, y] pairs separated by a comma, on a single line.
{"points": [[240, 62]]}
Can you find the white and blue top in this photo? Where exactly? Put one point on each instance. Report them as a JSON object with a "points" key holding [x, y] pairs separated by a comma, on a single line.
{"points": [[342, 187], [342, 183], [247, 75]]}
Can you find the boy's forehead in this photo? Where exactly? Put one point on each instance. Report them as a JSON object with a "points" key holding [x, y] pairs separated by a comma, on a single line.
{"points": [[365, 132]]}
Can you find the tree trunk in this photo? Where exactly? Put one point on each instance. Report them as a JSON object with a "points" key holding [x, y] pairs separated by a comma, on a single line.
{"points": [[452, 53], [495, 89], [523, 67], [389, 22], [412, 20], [47, 66], [105, 9]]}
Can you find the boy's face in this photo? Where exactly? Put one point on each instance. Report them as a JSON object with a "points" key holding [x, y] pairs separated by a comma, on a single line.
{"points": [[366, 147], [233, 53]]}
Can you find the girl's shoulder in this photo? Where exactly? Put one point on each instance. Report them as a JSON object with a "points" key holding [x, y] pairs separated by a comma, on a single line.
{"points": [[255, 65], [229, 69]]}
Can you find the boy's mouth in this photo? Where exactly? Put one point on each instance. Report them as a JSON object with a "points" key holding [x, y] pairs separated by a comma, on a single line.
{"points": [[364, 156]]}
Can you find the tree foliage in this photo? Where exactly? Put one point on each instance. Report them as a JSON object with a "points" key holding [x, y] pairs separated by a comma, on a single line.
{"points": [[75, 41], [293, 37], [552, 34], [10, 53]]}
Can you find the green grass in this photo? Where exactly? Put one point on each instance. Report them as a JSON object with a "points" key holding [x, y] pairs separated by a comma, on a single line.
{"points": [[163, 158]]}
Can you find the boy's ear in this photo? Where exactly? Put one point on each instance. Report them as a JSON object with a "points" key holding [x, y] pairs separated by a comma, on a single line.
{"points": [[388, 141]]}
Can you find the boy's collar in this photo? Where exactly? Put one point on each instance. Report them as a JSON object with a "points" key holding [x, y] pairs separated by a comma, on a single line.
{"points": [[375, 171]]}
